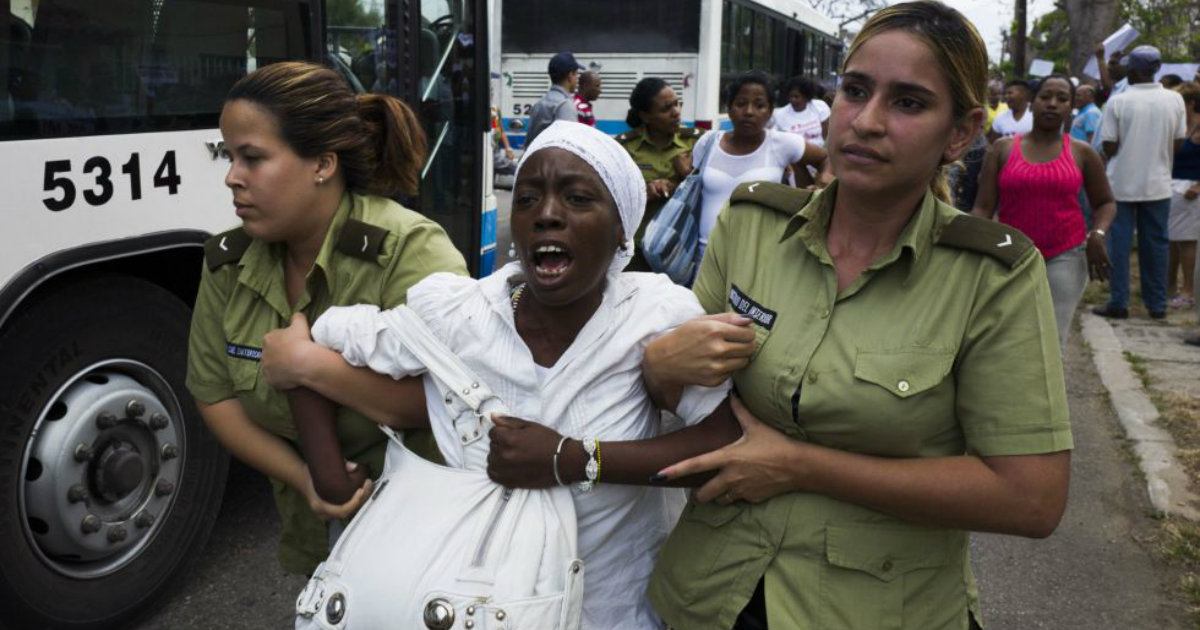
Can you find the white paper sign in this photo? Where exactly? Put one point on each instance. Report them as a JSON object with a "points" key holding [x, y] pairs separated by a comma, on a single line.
{"points": [[1184, 71], [1041, 68], [1121, 38]]}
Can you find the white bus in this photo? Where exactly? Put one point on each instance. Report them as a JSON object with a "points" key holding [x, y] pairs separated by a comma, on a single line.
{"points": [[109, 482], [694, 45]]}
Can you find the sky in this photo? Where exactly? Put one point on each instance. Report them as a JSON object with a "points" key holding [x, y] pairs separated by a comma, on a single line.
{"points": [[990, 16]]}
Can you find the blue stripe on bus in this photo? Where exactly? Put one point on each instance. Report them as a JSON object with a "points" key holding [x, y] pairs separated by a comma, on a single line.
{"points": [[487, 242]]}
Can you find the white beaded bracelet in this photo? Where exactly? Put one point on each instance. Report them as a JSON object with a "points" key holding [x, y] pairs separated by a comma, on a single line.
{"points": [[592, 470]]}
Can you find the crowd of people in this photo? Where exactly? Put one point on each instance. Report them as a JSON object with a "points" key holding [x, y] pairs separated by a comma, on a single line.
{"points": [[864, 372], [1039, 164], [1081, 166]]}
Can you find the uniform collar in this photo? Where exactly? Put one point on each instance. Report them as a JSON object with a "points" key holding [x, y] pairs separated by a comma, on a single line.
{"points": [[641, 137], [324, 262], [262, 264], [811, 224]]}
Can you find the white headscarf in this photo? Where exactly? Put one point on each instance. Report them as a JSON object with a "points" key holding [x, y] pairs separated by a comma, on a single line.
{"points": [[612, 163]]}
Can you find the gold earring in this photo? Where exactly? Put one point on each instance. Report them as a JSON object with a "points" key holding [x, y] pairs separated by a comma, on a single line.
{"points": [[320, 180]]}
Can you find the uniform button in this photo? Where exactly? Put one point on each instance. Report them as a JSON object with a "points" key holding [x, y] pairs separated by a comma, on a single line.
{"points": [[812, 377], [825, 314], [887, 565], [902, 386]]}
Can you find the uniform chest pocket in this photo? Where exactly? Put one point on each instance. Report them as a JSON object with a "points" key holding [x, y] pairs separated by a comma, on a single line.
{"points": [[904, 373]]}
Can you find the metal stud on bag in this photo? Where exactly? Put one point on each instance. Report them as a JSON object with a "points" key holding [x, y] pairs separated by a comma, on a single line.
{"points": [[335, 608], [439, 615]]}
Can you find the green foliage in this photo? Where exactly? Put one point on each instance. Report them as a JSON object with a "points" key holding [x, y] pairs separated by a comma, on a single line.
{"points": [[351, 13], [1167, 24], [1049, 40]]}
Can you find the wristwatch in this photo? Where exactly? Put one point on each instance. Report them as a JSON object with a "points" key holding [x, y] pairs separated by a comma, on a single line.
{"points": [[1097, 231]]}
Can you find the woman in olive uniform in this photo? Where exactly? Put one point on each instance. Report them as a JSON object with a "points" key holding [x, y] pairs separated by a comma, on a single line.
{"points": [[896, 359], [309, 164], [661, 148]]}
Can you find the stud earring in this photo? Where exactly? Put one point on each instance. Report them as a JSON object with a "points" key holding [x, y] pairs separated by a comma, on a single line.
{"points": [[320, 180], [512, 251]]}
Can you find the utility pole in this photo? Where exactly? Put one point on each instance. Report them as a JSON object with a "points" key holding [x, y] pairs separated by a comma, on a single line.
{"points": [[1020, 67]]}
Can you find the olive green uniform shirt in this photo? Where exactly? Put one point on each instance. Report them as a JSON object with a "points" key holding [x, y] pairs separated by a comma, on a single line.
{"points": [[655, 163], [945, 346], [374, 251]]}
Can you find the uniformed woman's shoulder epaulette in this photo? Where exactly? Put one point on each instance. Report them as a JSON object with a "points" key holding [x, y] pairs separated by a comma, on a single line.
{"points": [[627, 136], [361, 240], [779, 197], [226, 247], [985, 236]]}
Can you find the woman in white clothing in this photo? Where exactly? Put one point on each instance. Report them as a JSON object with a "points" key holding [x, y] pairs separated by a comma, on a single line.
{"points": [[804, 113], [559, 336], [750, 152]]}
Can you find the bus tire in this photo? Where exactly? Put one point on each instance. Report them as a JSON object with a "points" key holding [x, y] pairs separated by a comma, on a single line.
{"points": [[109, 482]]}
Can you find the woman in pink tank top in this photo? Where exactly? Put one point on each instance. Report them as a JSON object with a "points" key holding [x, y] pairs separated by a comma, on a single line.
{"points": [[1033, 182]]}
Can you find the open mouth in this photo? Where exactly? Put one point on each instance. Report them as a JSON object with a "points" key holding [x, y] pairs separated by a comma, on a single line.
{"points": [[551, 261]]}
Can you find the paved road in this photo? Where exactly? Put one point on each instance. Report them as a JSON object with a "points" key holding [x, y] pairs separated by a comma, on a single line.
{"points": [[1093, 573]]}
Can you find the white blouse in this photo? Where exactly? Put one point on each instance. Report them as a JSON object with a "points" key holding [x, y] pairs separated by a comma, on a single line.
{"points": [[594, 390], [723, 171]]}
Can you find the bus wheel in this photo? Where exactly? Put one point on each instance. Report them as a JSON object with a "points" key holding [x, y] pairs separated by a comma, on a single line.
{"points": [[109, 483]]}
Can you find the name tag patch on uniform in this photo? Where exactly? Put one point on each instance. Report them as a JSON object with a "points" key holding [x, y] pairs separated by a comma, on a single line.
{"points": [[744, 305], [243, 352]]}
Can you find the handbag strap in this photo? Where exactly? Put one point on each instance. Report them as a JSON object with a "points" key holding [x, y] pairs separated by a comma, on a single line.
{"points": [[708, 149], [445, 365]]}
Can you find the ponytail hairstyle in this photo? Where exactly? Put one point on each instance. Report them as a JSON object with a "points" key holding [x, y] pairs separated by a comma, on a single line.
{"points": [[956, 45], [378, 140], [641, 99]]}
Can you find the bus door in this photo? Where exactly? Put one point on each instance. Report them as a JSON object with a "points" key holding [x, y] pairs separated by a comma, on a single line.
{"points": [[432, 54]]}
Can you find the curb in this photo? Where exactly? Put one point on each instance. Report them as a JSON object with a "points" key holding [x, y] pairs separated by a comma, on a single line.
{"points": [[1166, 482]]}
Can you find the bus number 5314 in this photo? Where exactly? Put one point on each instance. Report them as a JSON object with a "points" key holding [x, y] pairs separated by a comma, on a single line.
{"points": [[99, 175]]}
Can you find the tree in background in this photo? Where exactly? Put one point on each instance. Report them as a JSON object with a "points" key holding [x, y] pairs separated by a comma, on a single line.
{"points": [[1049, 39], [847, 12], [1170, 25], [1090, 21]]}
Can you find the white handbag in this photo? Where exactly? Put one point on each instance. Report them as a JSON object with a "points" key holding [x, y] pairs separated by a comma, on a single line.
{"points": [[440, 548]]}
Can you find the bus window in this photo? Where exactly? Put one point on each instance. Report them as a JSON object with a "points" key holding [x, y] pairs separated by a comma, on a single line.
{"points": [[80, 67], [360, 39], [644, 26]]}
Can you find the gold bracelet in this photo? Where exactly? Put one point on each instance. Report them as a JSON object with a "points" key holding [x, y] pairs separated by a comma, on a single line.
{"points": [[598, 463]]}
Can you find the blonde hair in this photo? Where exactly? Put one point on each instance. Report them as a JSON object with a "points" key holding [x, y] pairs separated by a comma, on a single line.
{"points": [[378, 140], [956, 45]]}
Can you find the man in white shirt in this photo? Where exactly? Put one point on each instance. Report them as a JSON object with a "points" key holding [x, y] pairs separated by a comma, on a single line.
{"points": [[1143, 128], [1017, 118]]}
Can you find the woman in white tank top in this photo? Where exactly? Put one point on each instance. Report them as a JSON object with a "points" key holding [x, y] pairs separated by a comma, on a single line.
{"points": [[750, 152]]}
